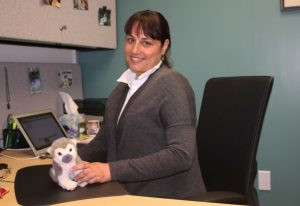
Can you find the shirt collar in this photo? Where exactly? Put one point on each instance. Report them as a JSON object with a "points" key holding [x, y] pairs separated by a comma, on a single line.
{"points": [[128, 76]]}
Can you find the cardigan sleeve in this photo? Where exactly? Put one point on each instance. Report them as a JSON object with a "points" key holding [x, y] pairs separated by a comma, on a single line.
{"points": [[96, 150]]}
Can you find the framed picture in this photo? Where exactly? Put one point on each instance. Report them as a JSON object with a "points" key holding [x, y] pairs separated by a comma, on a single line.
{"points": [[104, 16], [290, 5], [35, 83], [65, 78]]}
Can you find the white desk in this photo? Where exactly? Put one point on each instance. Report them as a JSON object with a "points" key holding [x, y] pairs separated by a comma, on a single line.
{"points": [[126, 200], [25, 158], [130, 200]]}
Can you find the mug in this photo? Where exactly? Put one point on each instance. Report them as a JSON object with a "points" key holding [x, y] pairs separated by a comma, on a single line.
{"points": [[92, 127]]}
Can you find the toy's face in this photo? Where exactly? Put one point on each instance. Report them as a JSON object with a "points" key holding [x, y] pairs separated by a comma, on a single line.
{"points": [[65, 155]]}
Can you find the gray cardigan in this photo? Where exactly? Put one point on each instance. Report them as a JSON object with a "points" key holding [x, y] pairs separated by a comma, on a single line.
{"points": [[152, 150]]}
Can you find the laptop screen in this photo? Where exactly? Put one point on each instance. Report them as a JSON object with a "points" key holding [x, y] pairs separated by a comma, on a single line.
{"points": [[40, 129]]}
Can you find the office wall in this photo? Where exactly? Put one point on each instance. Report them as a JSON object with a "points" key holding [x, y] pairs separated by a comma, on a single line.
{"points": [[224, 38], [18, 59], [33, 21]]}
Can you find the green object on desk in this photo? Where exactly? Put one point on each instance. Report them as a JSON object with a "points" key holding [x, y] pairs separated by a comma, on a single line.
{"points": [[11, 126]]}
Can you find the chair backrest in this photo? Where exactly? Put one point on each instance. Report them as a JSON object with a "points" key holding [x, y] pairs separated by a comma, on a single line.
{"points": [[228, 132]]}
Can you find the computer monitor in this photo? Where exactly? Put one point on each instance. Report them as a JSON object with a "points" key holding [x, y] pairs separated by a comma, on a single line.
{"points": [[39, 129]]}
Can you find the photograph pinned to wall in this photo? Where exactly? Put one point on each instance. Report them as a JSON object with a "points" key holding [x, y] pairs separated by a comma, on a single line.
{"points": [[55, 3], [104, 16], [81, 4], [65, 78], [35, 83], [290, 5]]}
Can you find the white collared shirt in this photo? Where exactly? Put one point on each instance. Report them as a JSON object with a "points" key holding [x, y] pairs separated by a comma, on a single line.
{"points": [[134, 82]]}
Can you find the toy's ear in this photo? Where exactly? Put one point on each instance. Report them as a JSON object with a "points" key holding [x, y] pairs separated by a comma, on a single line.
{"points": [[74, 141], [49, 150]]}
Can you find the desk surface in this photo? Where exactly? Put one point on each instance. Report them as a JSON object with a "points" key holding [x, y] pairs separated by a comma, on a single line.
{"points": [[23, 159], [130, 200]]}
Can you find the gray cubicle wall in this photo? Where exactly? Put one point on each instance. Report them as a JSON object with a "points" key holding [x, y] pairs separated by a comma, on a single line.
{"points": [[33, 21], [21, 99]]}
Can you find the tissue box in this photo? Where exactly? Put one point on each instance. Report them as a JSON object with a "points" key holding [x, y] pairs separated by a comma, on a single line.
{"points": [[70, 122]]}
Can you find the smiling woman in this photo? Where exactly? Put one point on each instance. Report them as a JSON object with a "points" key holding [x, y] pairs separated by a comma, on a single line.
{"points": [[152, 30], [142, 52], [148, 136]]}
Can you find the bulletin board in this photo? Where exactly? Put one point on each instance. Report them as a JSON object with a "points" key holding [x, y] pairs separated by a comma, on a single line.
{"points": [[25, 99], [92, 26]]}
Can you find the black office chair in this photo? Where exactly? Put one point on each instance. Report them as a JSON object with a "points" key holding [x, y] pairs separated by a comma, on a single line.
{"points": [[228, 132]]}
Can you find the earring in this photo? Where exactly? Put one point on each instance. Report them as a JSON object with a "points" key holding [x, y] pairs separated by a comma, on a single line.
{"points": [[163, 57]]}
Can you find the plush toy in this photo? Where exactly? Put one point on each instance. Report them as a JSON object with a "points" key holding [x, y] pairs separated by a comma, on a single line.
{"points": [[64, 154]]}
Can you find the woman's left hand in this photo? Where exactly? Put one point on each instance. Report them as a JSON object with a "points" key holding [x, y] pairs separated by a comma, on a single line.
{"points": [[92, 172]]}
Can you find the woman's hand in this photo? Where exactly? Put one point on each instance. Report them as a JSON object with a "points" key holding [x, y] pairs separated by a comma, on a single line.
{"points": [[92, 172]]}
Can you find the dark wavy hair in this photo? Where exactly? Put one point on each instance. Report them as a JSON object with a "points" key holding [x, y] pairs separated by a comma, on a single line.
{"points": [[154, 25]]}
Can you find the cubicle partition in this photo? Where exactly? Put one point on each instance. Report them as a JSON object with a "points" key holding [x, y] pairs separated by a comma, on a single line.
{"points": [[30, 87]]}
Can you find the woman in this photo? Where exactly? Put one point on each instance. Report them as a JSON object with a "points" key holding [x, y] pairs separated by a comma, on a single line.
{"points": [[147, 138]]}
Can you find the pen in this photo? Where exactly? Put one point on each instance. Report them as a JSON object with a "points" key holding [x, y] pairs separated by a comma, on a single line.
{"points": [[7, 88]]}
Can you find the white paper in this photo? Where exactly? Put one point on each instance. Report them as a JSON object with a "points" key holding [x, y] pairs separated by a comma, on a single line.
{"points": [[70, 106]]}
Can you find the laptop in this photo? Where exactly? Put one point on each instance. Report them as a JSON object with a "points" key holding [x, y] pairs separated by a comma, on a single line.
{"points": [[39, 129]]}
